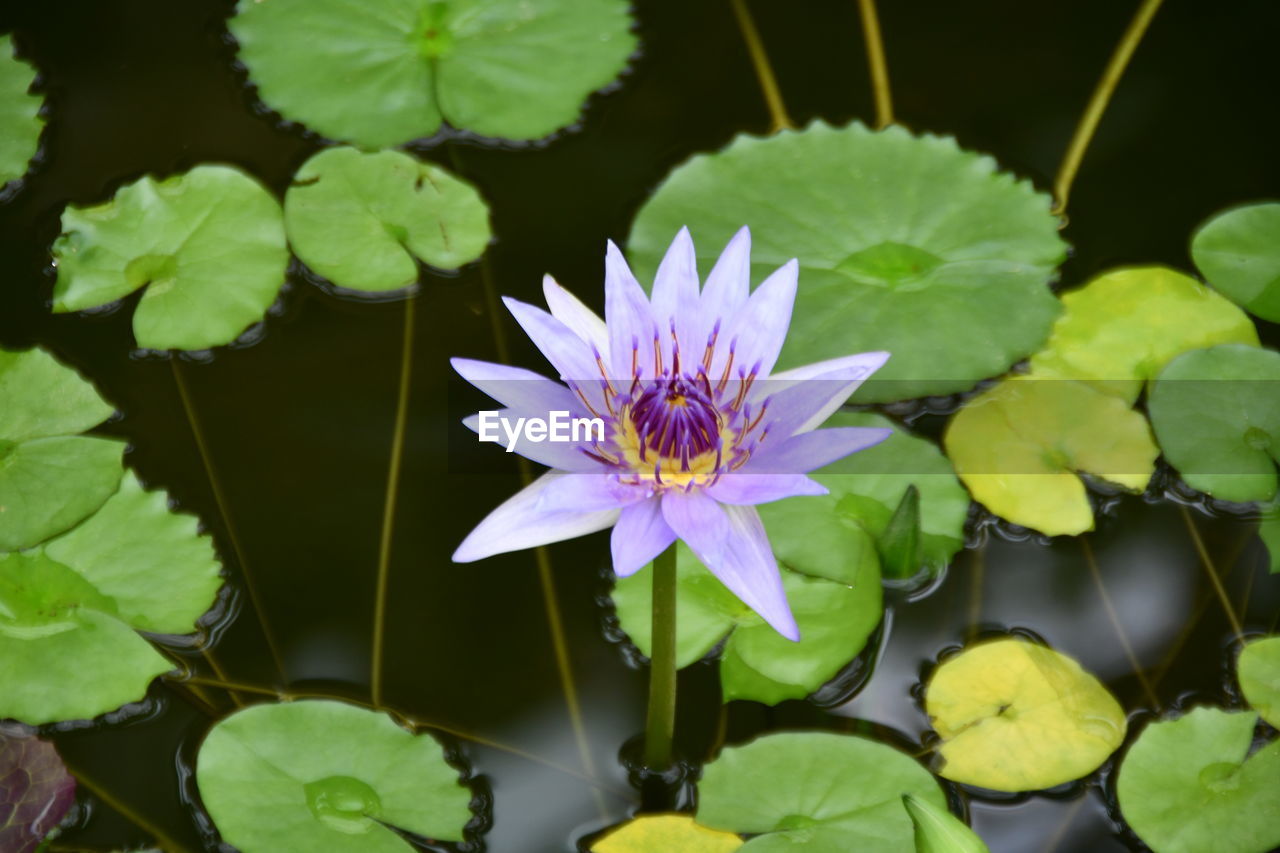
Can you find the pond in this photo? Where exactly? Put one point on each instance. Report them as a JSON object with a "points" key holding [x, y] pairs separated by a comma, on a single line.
{"points": [[281, 442]]}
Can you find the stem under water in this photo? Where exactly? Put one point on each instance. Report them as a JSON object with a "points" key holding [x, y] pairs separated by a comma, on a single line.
{"points": [[661, 722]]}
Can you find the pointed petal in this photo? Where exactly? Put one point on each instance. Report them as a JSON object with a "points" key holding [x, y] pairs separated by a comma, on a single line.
{"points": [[698, 520], [632, 329], [750, 571], [809, 451], [554, 454], [729, 282], [802, 399], [741, 489], [568, 354], [675, 286], [568, 309], [589, 492], [758, 331], [517, 388], [639, 537], [518, 524]]}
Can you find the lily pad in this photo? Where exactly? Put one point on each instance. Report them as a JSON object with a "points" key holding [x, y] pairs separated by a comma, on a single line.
{"points": [[1258, 670], [1239, 253], [364, 220], [50, 478], [1123, 327], [208, 246], [669, 833], [20, 122], [1216, 413], [383, 72], [324, 775], [36, 791], [870, 484], [816, 792], [1020, 445], [1189, 785], [939, 831], [1017, 716], [894, 233], [70, 611], [831, 576]]}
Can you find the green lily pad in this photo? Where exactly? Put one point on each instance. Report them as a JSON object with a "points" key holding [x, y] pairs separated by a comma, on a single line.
{"points": [[20, 122], [1189, 785], [207, 245], [939, 831], [894, 233], [870, 484], [50, 478], [1239, 253], [668, 833], [1019, 446], [70, 611], [818, 792], [363, 220], [1258, 670], [831, 576], [1123, 327], [383, 72], [1017, 716], [324, 775], [1216, 414]]}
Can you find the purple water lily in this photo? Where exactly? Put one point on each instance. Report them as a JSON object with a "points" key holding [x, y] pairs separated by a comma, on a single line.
{"points": [[696, 428]]}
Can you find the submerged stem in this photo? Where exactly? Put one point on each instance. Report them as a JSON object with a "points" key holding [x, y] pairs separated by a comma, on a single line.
{"points": [[389, 503], [661, 722], [876, 63], [764, 71]]}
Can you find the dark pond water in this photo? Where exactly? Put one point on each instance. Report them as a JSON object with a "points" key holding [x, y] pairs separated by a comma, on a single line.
{"points": [[298, 425]]}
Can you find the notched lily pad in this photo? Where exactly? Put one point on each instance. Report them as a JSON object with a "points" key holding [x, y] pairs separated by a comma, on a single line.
{"points": [[50, 478], [1258, 670], [1216, 413], [1017, 716], [36, 791], [668, 833], [208, 246], [383, 72], [817, 792], [1020, 445], [895, 233], [831, 576], [1189, 785], [1120, 329], [324, 775], [1239, 253], [360, 220], [70, 611], [20, 122]]}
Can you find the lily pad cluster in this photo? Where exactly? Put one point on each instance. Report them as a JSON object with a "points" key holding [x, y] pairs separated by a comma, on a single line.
{"points": [[20, 121], [326, 775], [384, 72], [828, 549], [894, 233]]}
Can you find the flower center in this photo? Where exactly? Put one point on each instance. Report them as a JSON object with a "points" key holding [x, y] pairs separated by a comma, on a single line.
{"points": [[677, 419]]}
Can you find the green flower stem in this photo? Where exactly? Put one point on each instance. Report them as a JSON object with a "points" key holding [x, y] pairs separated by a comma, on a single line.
{"points": [[661, 723]]}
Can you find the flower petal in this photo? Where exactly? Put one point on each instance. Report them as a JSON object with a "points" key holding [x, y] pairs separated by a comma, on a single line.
{"points": [[568, 353], [802, 399], [518, 523], [808, 451], [675, 299], [639, 537], [729, 283], [632, 329], [698, 520], [759, 329], [554, 454], [568, 309], [517, 388], [750, 571], [742, 489], [589, 492]]}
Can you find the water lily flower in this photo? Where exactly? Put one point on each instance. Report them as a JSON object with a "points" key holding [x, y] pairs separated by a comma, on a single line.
{"points": [[697, 427]]}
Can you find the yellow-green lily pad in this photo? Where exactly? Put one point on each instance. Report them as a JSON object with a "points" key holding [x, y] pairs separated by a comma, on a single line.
{"points": [[1020, 446], [1258, 671], [666, 833], [1017, 716], [1121, 328]]}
